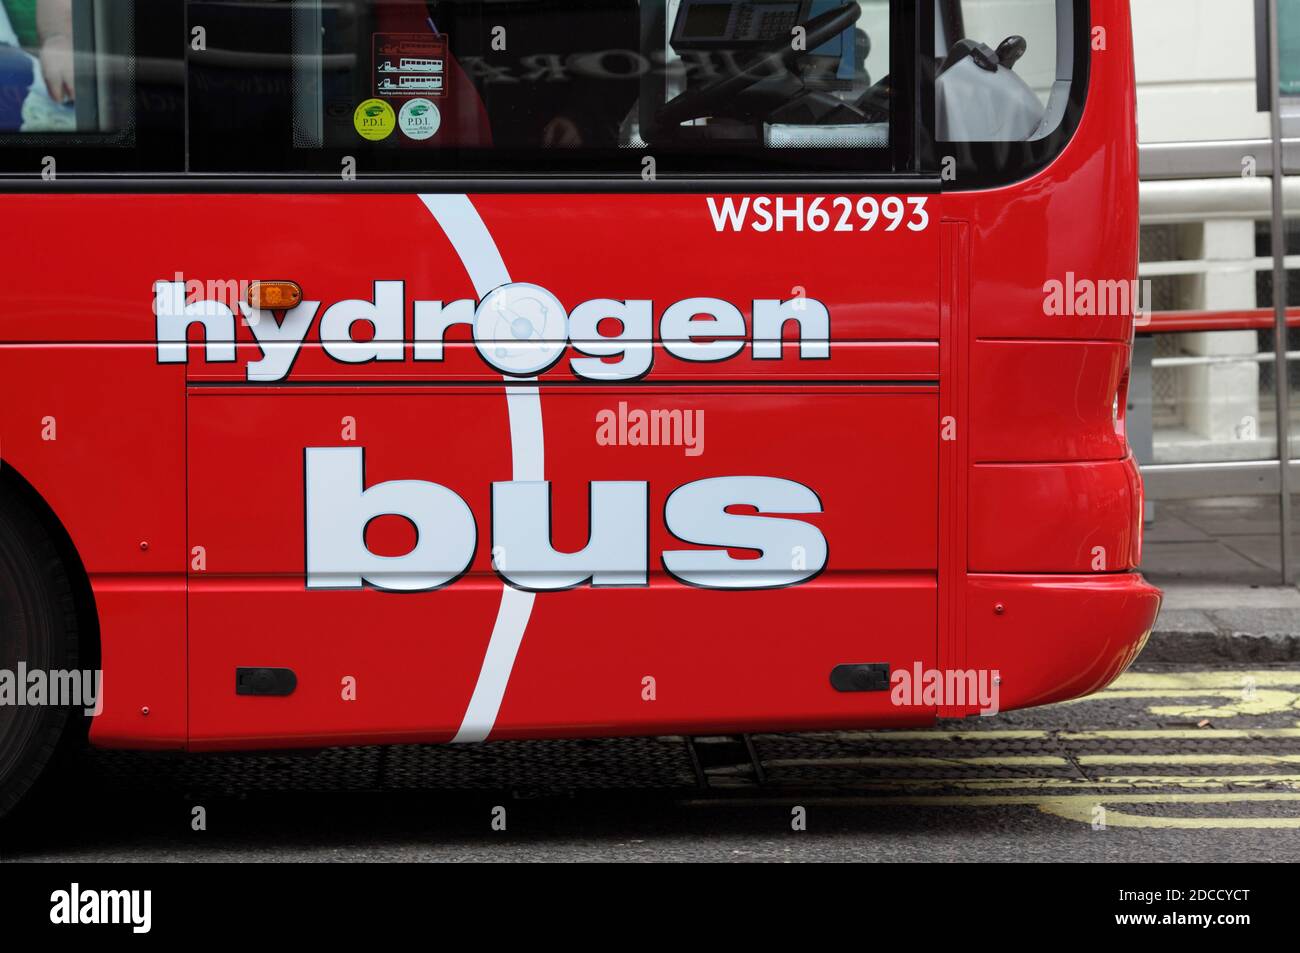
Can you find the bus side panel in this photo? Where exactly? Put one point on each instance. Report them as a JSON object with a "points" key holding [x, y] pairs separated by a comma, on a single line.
{"points": [[858, 427], [716, 660], [854, 422], [98, 430]]}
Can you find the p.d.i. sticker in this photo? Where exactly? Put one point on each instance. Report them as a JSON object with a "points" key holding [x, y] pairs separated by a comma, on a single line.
{"points": [[419, 118], [374, 119]]}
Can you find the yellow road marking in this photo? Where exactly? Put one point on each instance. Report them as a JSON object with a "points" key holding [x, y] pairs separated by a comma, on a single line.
{"points": [[1103, 781], [1214, 679], [902, 761], [1243, 692], [1013, 761], [1181, 734], [1184, 695], [904, 735], [1188, 759], [1078, 807], [1246, 693], [1240, 701], [1135, 734]]}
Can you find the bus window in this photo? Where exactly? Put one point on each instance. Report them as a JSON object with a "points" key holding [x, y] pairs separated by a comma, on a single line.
{"points": [[89, 87], [64, 66], [531, 86], [1003, 68]]}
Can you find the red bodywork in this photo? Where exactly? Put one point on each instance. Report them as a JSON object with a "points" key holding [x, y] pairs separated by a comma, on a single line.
{"points": [[962, 444]]}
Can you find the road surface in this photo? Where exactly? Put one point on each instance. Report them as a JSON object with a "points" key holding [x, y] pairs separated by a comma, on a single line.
{"points": [[1165, 765]]}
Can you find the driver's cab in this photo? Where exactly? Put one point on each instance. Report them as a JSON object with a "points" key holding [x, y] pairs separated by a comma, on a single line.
{"points": [[774, 73], [1003, 72]]}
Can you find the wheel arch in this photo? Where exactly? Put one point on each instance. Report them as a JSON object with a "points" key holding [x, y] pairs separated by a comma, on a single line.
{"points": [[88, 638]]}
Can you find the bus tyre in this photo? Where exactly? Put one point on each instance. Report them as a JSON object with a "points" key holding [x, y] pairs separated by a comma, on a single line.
{"points": [[38, 628]]}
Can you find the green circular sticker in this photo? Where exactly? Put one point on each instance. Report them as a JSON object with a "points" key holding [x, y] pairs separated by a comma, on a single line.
{"points": [[374, 119]]}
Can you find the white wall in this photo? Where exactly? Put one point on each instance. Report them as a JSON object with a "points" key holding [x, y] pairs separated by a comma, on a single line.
{"points": [[1196, 70]]}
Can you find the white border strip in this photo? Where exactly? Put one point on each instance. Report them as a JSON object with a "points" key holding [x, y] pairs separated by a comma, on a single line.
{"points": [[482, 260]]}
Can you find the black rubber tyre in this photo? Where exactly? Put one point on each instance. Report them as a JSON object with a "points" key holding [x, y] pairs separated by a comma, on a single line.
{"points": [[38, 626]]}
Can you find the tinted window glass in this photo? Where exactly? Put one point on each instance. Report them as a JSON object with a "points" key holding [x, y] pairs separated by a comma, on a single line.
{"points": [[529, 86], [1005, 87], [90, 86], [1003, 69]]}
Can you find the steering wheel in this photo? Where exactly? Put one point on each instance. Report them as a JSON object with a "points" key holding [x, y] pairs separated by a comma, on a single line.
{"points": [[780, 56]]}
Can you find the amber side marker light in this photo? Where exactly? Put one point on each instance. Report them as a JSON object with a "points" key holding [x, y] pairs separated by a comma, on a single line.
{"points": [[274, 295]]}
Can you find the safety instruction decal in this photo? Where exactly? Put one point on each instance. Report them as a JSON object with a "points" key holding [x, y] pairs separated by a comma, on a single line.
{"points": [[410, 64]]}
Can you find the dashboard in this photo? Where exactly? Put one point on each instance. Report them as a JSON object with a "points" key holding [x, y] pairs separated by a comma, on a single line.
{"points": [[735, 24]]}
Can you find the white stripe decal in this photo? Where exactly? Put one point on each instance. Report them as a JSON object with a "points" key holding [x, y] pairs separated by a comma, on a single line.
{"points": [[479, 254]]}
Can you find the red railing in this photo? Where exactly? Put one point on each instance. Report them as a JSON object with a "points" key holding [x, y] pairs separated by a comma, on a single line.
{"points": [[1257, 319]]}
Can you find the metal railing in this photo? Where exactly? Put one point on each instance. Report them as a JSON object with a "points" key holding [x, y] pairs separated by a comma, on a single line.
{"points": [[1199, 182]]}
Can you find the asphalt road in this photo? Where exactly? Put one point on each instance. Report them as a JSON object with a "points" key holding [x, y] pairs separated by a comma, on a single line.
{"points": [[1170, 765]]}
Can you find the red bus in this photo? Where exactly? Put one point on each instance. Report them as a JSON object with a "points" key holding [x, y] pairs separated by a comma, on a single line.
{"points": [[675, 367]]}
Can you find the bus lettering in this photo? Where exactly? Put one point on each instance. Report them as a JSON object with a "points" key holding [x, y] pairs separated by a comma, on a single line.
{"points": [[339, 507], [840, 213], [520, 329]]}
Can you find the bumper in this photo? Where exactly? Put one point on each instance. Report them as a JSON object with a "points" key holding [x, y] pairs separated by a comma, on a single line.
{"points": [[1056, 637]]}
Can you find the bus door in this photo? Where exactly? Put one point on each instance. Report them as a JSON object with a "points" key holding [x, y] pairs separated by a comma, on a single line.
{"points": [[537, 461]]}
